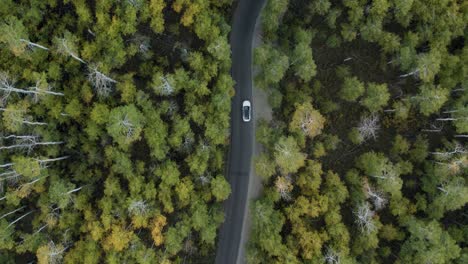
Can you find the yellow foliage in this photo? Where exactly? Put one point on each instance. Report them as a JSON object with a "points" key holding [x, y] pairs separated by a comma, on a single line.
{"points": [[42, 254], [118, 239], [95, 230], [158, 224], [139, 221]]}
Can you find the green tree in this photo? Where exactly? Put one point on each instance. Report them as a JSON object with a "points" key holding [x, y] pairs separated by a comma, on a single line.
{"points": [[272, 63], [351, 89], [376, 97], [288, 156], [157, 16], [430, 98], [302, 61], [428, 242], [220, 188], [125, 125], [266, 227], [271, 15]]}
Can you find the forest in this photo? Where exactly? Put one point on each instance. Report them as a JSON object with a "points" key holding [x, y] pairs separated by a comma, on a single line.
{"points": [[114, 128], [365, 159]]}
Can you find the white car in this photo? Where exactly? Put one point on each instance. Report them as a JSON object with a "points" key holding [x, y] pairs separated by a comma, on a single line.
{"points": [[246, 111]]}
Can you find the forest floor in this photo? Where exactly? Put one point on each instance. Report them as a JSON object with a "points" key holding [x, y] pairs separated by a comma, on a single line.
{"points": [[261, 110]]}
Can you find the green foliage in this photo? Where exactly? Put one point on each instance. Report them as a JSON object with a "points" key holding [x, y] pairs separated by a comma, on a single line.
{"points": [[271, 15], [220, 188], [87, 178], [125, 125], [266, 227], [352, 89], [428, 242], [273, 65], [376, 97], [302, 61], [401, 62], [288, 156]]}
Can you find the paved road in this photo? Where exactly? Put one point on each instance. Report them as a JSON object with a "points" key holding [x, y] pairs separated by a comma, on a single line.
{"points": [[242, 134]]}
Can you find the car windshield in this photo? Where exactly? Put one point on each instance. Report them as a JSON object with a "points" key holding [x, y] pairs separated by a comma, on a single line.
{"points": [[246, 111]]}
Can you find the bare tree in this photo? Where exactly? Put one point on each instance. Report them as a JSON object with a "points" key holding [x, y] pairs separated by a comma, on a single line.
{"points": [[389, 173], [33, 45], [205, 179], [75, 190], [364, 218], [27, 142], [415, 72], [7, 86], [368, 127], [138, 207], [455, 186], [331, 256], [204, 145], [101, 83], [458, 149], [127, 124], [66, 47], [12, 212], [456, 164], [166, 88], [377, 197], [143, 44], [434, 128], [55, 252], [188, 143], [172, 108], [283, 186], [19, 218], [43, 162]]}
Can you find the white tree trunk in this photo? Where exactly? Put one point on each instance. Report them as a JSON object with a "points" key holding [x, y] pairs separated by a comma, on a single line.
{"points": [[32, 44], [12, 212]]}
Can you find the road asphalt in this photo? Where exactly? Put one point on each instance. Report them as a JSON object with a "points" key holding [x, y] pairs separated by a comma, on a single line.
{"points": [[242, 134]]}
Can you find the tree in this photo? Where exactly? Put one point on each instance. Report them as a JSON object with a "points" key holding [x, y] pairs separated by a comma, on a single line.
{"points": [[288, 156], [163, 85], [273, 65], [307, 120], [266, 227], [351, 89], [376, 97], [50, 253], [320, 7], [452, 195], [310, 179], [156, 14], [379, 168], [118, 239], [264, 166], [101, 82], [125, 125], [7, 86], [302, 61], [368, 127], [272, 14], [364, 218], [428, 243], [156, 232], [430, 98], [284, 187], [13, 33], [220, 188], [67, 46]]}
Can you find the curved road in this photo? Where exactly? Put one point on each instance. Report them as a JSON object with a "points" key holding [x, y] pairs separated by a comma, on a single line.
{"points": [[242, 134]]}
